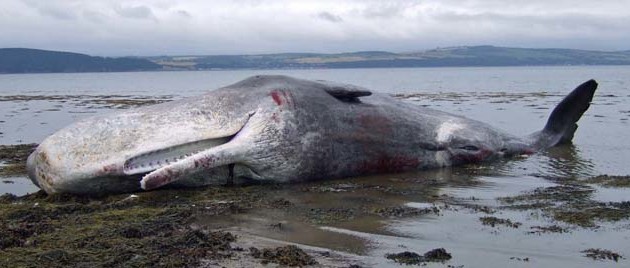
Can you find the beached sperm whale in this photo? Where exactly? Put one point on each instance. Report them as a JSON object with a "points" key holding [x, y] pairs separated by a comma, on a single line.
{"points": [[276, 128]]}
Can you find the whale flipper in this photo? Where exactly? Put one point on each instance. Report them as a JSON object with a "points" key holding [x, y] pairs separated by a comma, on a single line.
{"points": [[562, 122], [221, 155]]}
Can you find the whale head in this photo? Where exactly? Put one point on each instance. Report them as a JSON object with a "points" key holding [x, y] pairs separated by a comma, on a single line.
{"points": [[110, 153]]}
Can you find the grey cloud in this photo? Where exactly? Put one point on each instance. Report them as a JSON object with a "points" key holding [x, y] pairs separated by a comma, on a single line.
{"points": [[135, 12], [50, 9], [183, 13], [569, 22], [94, 16], [58, 13], [387, 9], [327, 16], [114, 27]]}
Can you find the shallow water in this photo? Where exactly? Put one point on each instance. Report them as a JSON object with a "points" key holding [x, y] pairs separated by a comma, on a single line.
{"points": [[516, 99]]}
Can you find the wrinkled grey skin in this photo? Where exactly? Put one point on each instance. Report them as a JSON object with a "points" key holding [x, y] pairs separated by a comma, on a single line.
{"points": [[272, 128]]}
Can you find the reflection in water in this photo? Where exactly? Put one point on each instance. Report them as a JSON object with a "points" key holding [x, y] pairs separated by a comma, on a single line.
{"points": [[17, 186], [418, 211], [566, 162], [362, 204], [421, 210]]}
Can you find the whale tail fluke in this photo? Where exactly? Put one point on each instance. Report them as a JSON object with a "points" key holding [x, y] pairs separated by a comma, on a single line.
{"points": [[562, 122]]}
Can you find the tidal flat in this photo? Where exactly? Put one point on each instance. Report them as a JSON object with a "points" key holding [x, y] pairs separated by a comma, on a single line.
{"points": [[566, 207], [337, 223]]}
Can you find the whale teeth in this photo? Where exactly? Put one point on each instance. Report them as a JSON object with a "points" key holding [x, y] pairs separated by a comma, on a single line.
{"points": [[158, 158]]}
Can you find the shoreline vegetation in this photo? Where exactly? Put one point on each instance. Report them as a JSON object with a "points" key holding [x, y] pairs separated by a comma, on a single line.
{"points": [[25, 60]]}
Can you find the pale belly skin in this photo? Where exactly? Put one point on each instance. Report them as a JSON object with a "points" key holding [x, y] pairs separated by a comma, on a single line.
{"points": [[271, 128]]}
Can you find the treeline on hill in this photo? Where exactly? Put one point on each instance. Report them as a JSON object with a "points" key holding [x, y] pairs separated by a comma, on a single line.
{"points": [[23, 60], [441, 57]]}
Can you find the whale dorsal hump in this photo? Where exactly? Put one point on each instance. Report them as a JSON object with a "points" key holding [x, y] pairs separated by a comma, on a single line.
{"points": [[345, 92]]}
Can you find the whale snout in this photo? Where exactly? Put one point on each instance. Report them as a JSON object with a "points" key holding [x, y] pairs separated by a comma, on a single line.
{"points": [[30, 169], [40, 171], [55, 176]]}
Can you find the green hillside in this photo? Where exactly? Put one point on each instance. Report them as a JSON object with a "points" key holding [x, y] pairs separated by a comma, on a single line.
{"points": [[441, 57], [23, 60]]}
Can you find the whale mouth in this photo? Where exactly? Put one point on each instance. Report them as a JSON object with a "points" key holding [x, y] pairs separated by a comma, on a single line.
{"points": [[153, 160]]}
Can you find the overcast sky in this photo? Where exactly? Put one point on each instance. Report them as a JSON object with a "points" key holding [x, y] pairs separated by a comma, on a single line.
{"points": [[185, 27]]}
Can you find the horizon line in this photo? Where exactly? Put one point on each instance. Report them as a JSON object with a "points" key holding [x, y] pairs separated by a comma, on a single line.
{"points": [[319, 53]]}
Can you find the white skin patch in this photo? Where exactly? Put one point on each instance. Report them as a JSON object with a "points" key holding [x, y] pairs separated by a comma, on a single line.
{"points": [[446, 130], [443, 159]]}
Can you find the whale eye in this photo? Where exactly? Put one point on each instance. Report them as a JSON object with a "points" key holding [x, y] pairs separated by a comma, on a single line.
{"points": [[469, 148]]}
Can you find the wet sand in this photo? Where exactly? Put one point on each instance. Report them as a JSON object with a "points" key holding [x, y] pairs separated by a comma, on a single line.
{"points": [[358, 221]]}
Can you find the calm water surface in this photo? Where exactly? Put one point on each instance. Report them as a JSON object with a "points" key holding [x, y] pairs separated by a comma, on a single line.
{"points": [[515, 99]]}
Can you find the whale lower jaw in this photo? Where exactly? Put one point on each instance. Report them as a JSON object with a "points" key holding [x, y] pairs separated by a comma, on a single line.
{"points": [[152, 160]]}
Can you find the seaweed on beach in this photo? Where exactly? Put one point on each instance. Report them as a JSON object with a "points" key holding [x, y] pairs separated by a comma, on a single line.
{"points": [[13, 159], [602, 254], [610, 181], [572, 203], [94, 101], [494, 221], [412, 258], [287, 255], [145, 230]]}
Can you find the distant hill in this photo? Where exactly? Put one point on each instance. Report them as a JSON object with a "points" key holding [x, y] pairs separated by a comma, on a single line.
{"points": [[441, 57], [23, 60]]}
